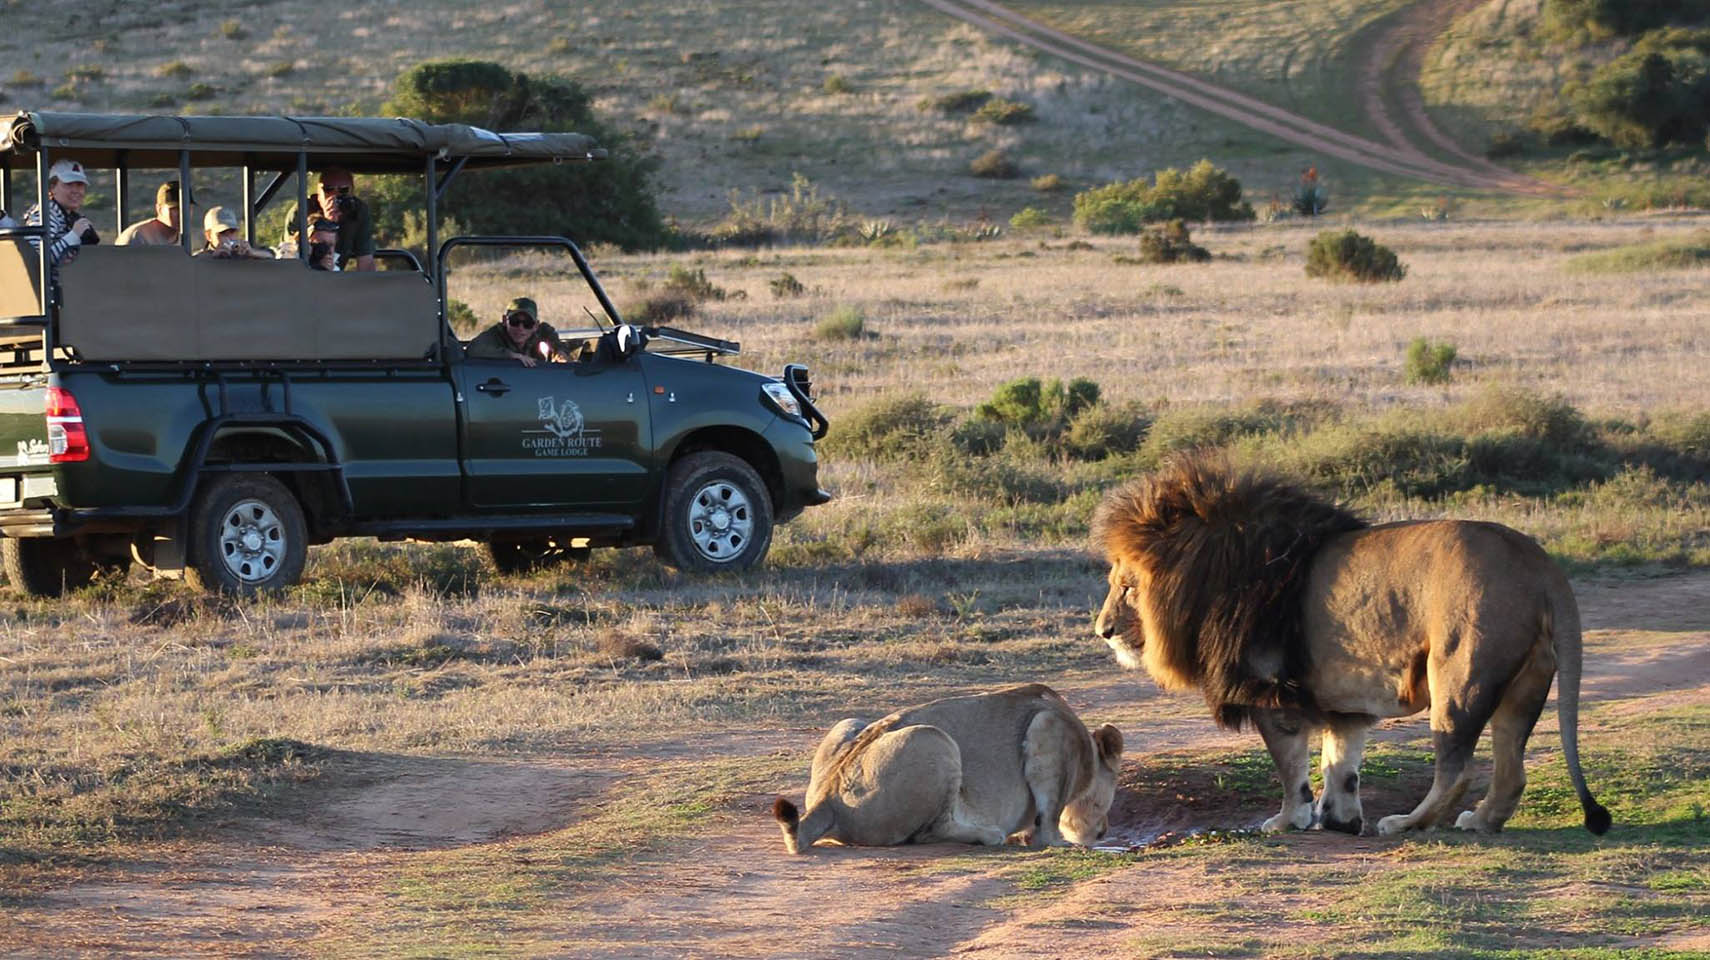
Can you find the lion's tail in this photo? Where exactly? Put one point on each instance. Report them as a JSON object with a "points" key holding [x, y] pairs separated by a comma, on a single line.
{"points": [[801, 832], [1562, 622]]}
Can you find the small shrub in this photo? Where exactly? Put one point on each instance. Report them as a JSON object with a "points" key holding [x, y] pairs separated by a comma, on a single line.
{"points": [[1429, 362], [1102, 431], [462, 319], [87, 71], [281, 68], [1042, 409], [161, 100], [994, 164], [559, 46], [1047, 183], [65, 91], [836, 83], [962, 101], [692, 285], [1347, 255], [199, 91], [1192, 428], [233, 30], [1500, 407], [1006, 113], [659, 308], [24, 78], [1169, 243], [888, 428], [1028, 218], [1203, 192], [843, 323], [979, 437], [786, 286]]}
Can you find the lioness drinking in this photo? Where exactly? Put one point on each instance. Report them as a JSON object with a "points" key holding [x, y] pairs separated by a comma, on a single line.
{"points": [[972, 769]]}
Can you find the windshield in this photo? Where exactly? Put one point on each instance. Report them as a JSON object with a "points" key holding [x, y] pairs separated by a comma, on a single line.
{"points": [[481, 281]]}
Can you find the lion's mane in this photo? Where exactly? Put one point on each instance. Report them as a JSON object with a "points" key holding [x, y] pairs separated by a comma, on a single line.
{"points": [[1228, 553]]}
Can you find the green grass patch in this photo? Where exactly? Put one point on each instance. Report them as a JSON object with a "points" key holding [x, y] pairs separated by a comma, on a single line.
{"points": [[1672, 254]]}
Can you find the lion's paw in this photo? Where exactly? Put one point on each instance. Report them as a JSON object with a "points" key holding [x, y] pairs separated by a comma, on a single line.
{"points": [[1298, 819], [1393, 824]]}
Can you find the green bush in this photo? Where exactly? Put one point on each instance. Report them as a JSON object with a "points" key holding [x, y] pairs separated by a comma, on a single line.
{"points": [[836, 83], [1047, 183], [199, 91], [1347, 255], [1203, 192], [889, 428], [962, 101], [233, 30], [24, 78], [1006, 113], [1169, 243], [1568, 20], [692, 284], [1647, 98], [1499, 407], [609, 200], [1195, 427], [1031, 404], [843, 323], [800, 215], [785, 286], [994, 164], [1429, 362], [1028, 218], [1102, 431]]}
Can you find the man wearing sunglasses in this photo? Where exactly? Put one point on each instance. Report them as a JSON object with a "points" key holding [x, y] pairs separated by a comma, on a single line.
{"points": [[518, 336], [339, 203]]}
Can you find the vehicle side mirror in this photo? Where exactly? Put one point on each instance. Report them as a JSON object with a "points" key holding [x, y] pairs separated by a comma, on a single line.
{"points": [[629, 340]]}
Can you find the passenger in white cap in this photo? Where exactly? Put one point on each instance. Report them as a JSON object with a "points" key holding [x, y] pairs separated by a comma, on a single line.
{"points": [[220, 229], [68, 230]]}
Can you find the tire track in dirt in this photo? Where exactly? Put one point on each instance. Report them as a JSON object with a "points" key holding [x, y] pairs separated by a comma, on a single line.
{"points": [[1405, 160]]}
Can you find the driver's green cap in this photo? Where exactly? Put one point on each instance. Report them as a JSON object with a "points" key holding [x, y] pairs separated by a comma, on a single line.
{"points": [[523, 305]]}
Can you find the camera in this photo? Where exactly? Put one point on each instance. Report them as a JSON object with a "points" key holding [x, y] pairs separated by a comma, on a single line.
{"points": [[345, 204], [89, 237]]}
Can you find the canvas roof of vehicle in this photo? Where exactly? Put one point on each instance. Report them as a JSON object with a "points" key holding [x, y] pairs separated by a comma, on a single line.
{"points": [[359, 144]]}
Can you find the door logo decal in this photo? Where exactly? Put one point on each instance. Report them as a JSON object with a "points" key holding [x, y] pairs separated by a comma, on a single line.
{"points": [[562, 431]]}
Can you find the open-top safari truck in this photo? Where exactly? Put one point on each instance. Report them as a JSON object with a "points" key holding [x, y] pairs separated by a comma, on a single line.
{"points": [[218, 416]]}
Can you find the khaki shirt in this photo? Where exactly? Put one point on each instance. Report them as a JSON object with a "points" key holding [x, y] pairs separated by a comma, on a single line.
{"points": [[494, 343]]}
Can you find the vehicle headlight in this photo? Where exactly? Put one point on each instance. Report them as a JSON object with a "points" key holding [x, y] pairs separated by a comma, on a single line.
{"points": [[782, 398]]}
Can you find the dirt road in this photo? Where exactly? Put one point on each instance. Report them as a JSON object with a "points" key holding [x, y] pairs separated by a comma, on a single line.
{"points": [[1396, 50], [307, 880]]}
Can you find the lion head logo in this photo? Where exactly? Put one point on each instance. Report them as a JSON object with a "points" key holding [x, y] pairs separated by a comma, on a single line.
{"points": [[562, 420]]}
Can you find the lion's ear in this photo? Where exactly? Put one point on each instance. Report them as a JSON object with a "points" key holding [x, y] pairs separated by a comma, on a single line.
{"points": [[1109, 740]]}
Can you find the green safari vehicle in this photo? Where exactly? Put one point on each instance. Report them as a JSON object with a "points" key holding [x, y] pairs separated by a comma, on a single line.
{"points": [[218, 416]]}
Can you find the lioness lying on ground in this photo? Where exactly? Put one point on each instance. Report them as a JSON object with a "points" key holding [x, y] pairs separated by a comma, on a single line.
{"points": [[972, 769]]}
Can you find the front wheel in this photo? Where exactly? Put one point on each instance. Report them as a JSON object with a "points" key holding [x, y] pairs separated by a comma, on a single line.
{"points": [[42, 567], [718, 515], [246, 536]]}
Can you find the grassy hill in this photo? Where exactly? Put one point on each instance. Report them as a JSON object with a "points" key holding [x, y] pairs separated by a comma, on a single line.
{"points": [[739, 97]]}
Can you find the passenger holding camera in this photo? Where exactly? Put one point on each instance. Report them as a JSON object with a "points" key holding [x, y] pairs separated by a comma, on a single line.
{"points": [[323, 240], [220, 230], [354, 249], [519, 336], [68, 229]]}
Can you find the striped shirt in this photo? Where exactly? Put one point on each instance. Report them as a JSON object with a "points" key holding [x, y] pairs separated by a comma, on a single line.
{"points": [[64, 248]]}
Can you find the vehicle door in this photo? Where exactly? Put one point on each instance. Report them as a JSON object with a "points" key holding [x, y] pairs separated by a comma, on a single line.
{"points": [[555, 435]]}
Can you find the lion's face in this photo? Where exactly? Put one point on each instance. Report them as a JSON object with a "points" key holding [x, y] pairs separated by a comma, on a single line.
{"points": [[1085, 819], [1118, 620]]}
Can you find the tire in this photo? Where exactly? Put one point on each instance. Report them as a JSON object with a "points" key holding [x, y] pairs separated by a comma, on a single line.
{"points": [[42, 567], [526, 556], [717, 515], [246, 536]]}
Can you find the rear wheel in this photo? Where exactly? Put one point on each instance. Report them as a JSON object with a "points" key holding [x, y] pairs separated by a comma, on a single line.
{"points": [[43, 567], [246, 535], [524, 556], [718, 514]]}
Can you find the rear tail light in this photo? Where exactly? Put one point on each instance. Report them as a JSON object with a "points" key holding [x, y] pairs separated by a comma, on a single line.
{"points": [[68, 441]]}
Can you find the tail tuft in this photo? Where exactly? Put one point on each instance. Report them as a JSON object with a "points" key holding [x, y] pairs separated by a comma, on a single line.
{"points": [[1597, 819], [786, 813]]}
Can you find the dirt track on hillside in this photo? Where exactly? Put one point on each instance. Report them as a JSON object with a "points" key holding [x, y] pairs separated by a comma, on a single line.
{"points": [[278, 886], [1396, 50]]}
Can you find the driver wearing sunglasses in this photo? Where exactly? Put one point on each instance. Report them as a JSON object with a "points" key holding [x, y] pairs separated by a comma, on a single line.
{"points": [[519, 335]]}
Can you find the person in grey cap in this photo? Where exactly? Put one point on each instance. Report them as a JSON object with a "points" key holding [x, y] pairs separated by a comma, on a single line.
{"points": [[220, 230], [518, 336], [68, 230]]}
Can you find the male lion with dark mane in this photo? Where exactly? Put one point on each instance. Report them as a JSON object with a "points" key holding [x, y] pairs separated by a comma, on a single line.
{"points": [[1294, 614]]}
